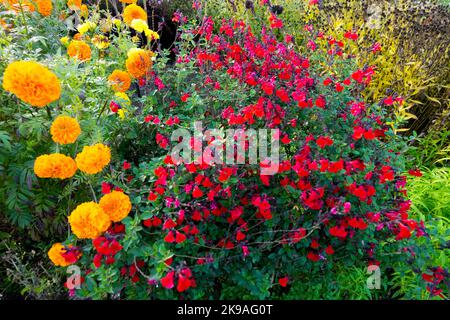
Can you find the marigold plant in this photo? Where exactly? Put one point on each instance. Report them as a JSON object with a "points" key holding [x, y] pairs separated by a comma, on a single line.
{"points": [[65, 130], [116, 205], [132, 12], [88, 220], [63, 256], [120, 80], [32, 83], [92, 159], [139, 62], [79, 50], [55, 165], [44, 7]]}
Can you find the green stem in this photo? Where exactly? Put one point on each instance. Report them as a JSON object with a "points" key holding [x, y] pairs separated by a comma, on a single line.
{"points": [[48, 113], [101, 111], [92, 190], [23, 18]]}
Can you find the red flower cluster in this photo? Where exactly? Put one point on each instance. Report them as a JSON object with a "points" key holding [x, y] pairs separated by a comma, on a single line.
{"points": [[184, 280], [106, 249], [438, 276]]}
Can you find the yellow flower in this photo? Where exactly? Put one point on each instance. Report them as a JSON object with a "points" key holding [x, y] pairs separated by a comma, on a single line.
{"points": [[54, 165], [79, 50], [136, 40], [56, 255], [44, 7], [100, 41], [121, 113], [133, 11], [32, 83], [65, 130], [64, 41], [85, 27], [116, 205], [128, 1], [117, 22], [92, 159], [88, 221], [119, 80], [152, 35], [139, 62], [139, 25], [123, 99]]}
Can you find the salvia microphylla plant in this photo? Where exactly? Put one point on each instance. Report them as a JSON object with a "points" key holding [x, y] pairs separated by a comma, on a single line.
{"points": [[165, 229]]}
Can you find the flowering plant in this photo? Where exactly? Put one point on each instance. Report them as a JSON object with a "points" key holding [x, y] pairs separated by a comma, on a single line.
{"points": [[202, 230]]}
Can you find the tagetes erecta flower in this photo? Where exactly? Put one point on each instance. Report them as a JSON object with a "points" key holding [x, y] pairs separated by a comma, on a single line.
{"points": [[79, 50], [116, 205], [132, 12], [88, 221], [56, 255], [64, 41], [151, 35], [86, 27], [44, 7], [100, 42], [139, 25], [65, 130], [74, 4], [63, 256], [54, 165], [119, 80], [139, 62], [93, 158], [18, 6], [32, 83]]}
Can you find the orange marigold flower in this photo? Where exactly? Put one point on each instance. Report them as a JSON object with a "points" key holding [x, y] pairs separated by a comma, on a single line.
{"points": [[88, 221], [133, 11], [18, 6], [79, 50], [116, 204], [139, 62], [55, 165], [56, 255], [65, 130], [32, 83], [74, 4], [44, 7], [92, 159], [119, 80]]}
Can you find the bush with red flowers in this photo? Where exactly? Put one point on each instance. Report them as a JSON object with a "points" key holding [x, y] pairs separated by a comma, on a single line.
{"points": [[200, 230]]}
